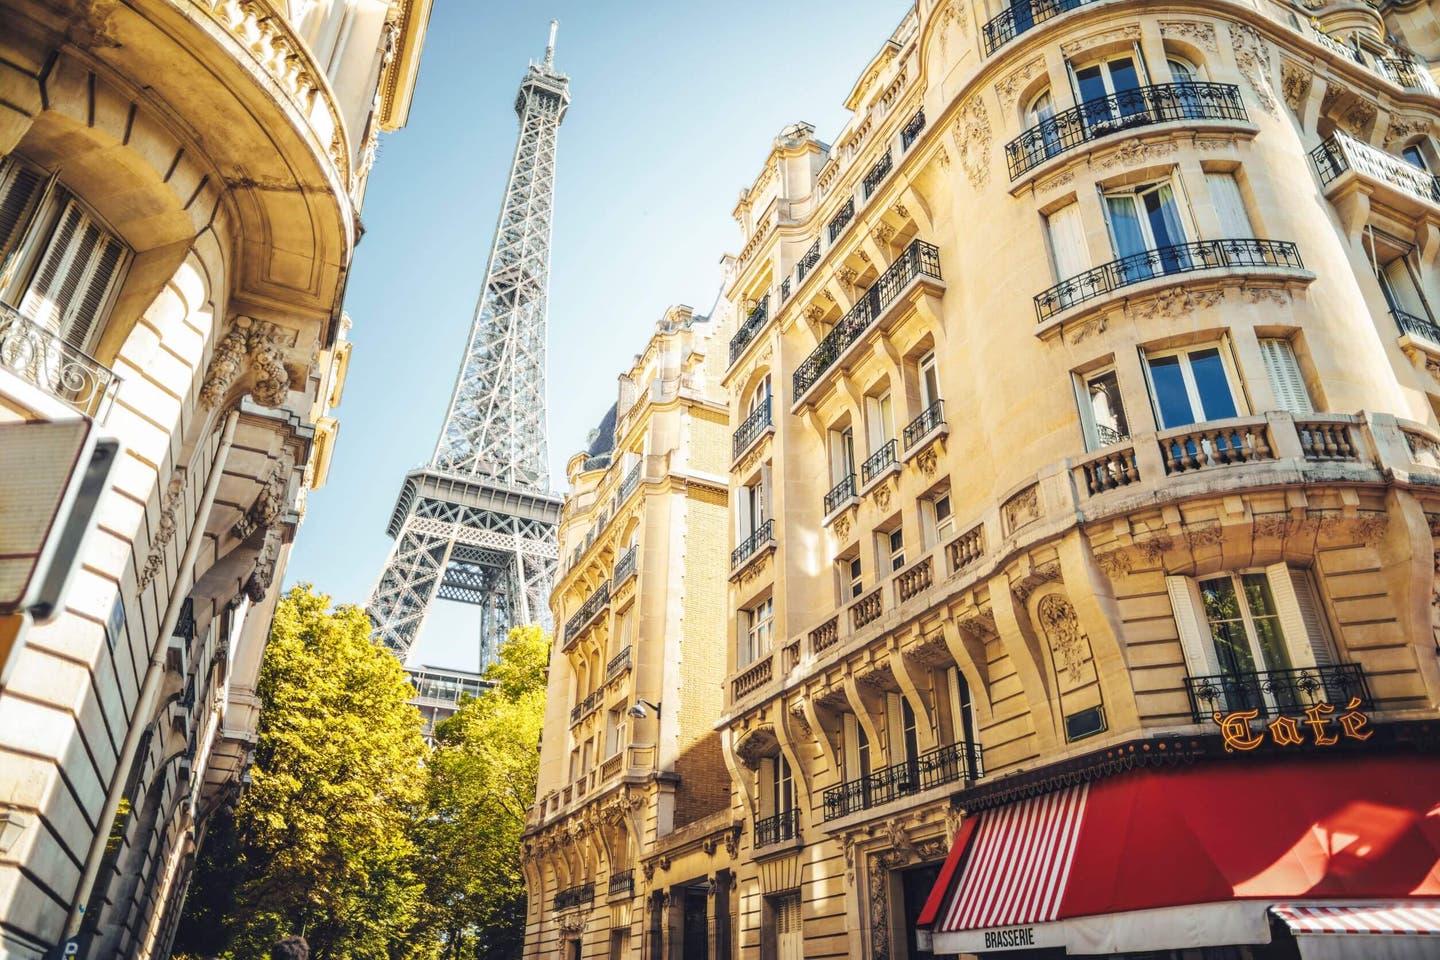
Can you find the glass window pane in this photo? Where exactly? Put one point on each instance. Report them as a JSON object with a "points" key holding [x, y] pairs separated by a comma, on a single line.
{"points": [[1227, 630], [1171, 398], [1092, 85], [1107, 409], [1123, 75], [1216, 401], [1267, 621], [1125, 228]]}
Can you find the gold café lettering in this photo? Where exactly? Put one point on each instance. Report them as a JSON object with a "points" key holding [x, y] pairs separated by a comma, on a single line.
{"points": [[1287, 731]]}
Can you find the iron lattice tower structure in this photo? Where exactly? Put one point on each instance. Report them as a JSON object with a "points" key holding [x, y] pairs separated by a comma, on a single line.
{"points": [[477, 524]]}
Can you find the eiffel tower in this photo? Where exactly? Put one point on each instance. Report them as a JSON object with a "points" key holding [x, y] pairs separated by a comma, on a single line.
{"points": [[477, 524]]}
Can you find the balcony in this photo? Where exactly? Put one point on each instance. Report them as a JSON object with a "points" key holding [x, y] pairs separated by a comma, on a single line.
{"points": [[584, 708], [948, 764], [1141, 107], [912, 129], [1184, 258], [1413, 326], [42, 358], [1271, 692], [841, 494], [618, 664], [1021, 16], [575, 896], [749, 328], [825, 636], [625, 567], [627, 486], [841, 220], [930, 421], [1406, 73], [1215, 443], [877, 173], [785, 825], [597, 601], [755, 425], [763, 535], [966, 548], [920, 259], [759, 673], [866, 610], [622, 883], [1340, 154], [914, 581], [879, 462]]}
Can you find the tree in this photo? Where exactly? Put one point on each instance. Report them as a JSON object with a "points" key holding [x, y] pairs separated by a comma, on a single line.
{"points": [[324, 844], [481, 787]]}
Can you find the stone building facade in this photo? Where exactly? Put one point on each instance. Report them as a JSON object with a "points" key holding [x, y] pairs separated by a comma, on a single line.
{"points": [[180, 187], [628, 848], [1083, 394]]}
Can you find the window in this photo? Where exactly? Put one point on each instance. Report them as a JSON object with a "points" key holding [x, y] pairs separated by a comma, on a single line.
{"points": [[854, 748], [59, 264], [1068, 249], [756, 624], [1392, 261], [754, 505], [1190, 386], [904, 741], [879, 421], [1102, 410], [1096, 82], [1040, 115], [615, 731], [759, 396], [929, 382], [789, 931], [780, 796], [1233, 625], [1229, 206], [892, 549], [1414, 156], [937, 520], [842, 454], [962, 716], [1146, 231], [1285, 378], [851, 582]]}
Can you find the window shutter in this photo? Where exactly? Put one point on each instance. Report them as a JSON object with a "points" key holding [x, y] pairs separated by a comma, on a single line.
{"points": [[1285, 378], [72, 283], [1229, 206], [1190, 622], [767, 508], [21, 188], [94, 292], [40, 301], [1067, 242], [1301, 618]]}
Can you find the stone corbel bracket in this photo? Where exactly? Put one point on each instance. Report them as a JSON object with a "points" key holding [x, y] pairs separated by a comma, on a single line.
{"points": [[254, 346]]}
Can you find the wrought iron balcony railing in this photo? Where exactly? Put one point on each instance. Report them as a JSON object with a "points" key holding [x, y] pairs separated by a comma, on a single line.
{"points": [[575, 896], [948, 764], [785, 825], [1277, 691], [879, 462], [41, 357], [622, 882], [841, 492], [922, 426], [841, 219], [1141, 107], [625, 566], [749, 431], [1020, 16], [1406, 73], [617, 663], [919, 259], [807, 262], [584, 708], [1165, 261], [592, 606], [763, 534], [913, 129], [1416, 326], [628, 485], [749, 328], [1340, 153], [877, 173]]}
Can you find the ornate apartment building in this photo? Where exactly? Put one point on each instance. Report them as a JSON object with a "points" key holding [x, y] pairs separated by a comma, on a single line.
{"points": [[1084, 489], [629, 845], [180, 186]]}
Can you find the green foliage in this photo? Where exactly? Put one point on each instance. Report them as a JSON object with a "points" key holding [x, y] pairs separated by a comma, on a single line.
{"points": [[324, 845], [482, 783]]}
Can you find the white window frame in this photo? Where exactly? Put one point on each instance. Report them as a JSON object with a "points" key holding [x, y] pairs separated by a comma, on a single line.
{"points": [[1287, 380], [892, 560], [1136, 193], [758, 625], [852, 579], [929, 381], [879, 420], [937, 526], [1232, 379], [842, 453]]}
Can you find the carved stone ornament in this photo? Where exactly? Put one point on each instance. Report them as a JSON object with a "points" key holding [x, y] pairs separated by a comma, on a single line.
{"points": [[1062, 630], [927, 461], [842, 527], [953, 819], [572, 924], [879, 881], [1174, 303], [269, 503], [258, 343], [1402, 130], [950, 14], [1022, 508], [1062, 179], [1115, 563], [1204, 535], [1295, 83], [1252, 56], [847, 275], [882, 495], [883, 233], [813, 313], [165, 531], [263, 573], [1196, 32], [1133, 153], [901, 211], [972, 137], [1009, 86]]}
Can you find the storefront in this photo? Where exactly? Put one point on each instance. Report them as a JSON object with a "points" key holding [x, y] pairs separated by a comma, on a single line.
{"points": [[1314, 857]]}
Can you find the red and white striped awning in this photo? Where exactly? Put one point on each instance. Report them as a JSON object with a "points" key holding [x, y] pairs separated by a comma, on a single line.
{"points": [[1393, 919], [1019, 863]]}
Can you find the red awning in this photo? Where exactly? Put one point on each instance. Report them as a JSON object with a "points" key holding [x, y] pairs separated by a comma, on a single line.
{"points": [[1213, 834], [1389, 919]]}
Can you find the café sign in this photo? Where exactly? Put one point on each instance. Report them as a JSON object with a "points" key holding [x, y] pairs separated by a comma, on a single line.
{"points": [[1319, 727]]}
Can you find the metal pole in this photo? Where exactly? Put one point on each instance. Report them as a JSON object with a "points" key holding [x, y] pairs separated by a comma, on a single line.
{"points": [[154, 674]]}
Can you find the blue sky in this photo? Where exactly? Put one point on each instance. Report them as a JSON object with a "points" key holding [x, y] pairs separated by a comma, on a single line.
{"points": [[674, 106]]}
